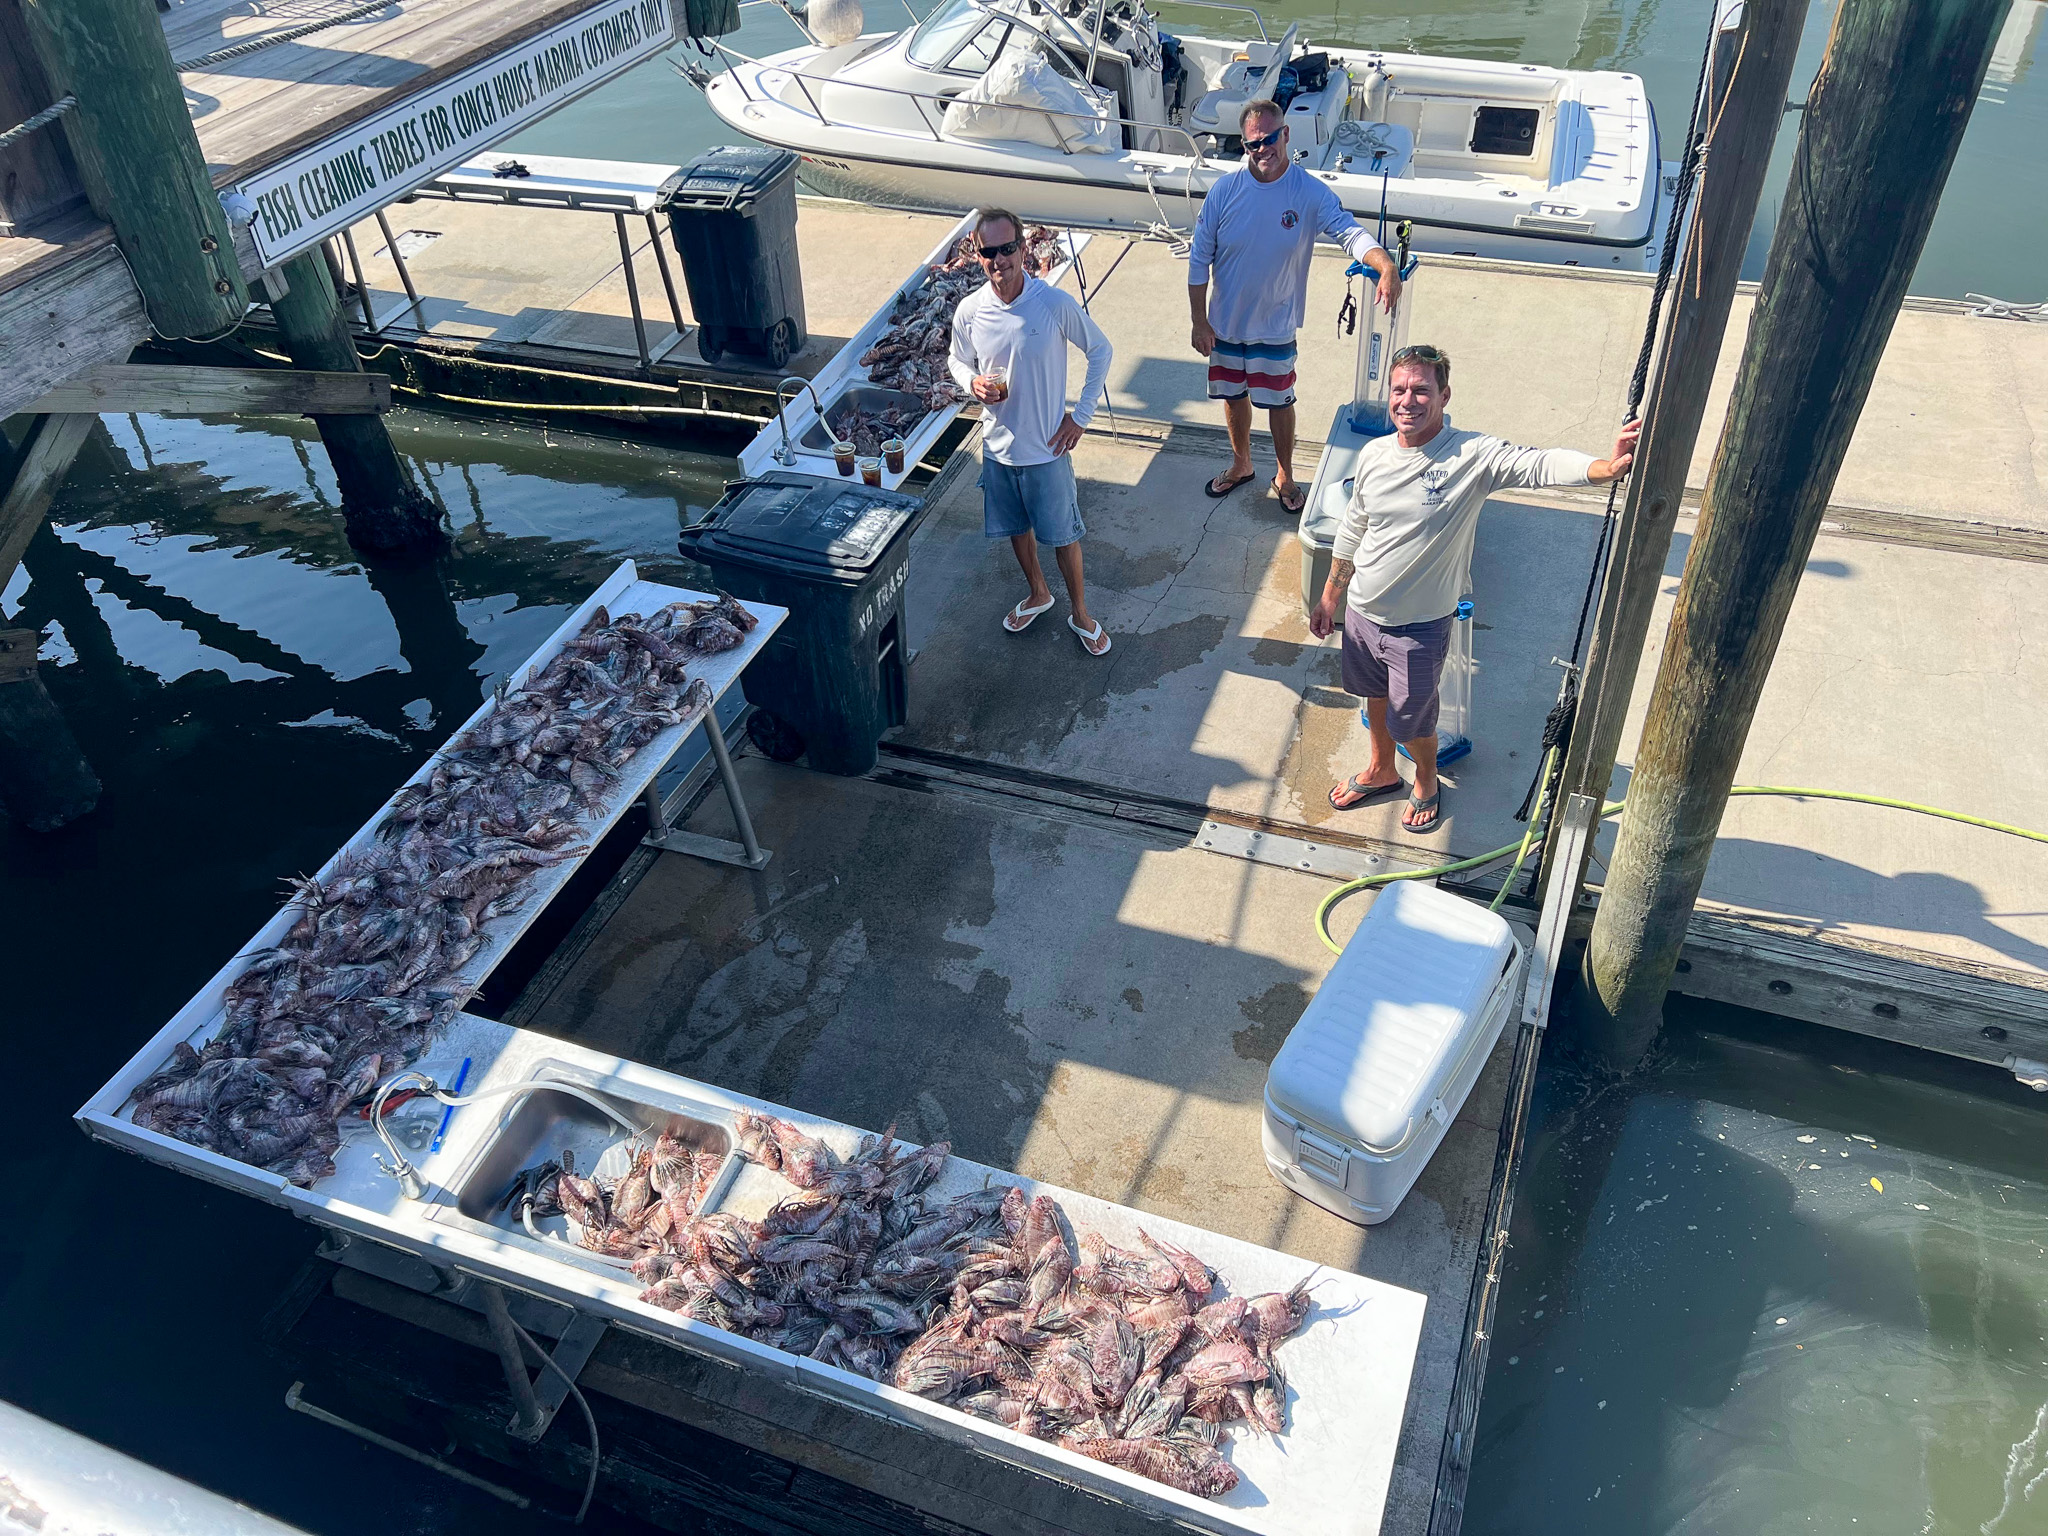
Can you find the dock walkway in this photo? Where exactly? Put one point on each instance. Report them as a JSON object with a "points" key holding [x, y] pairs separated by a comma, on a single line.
{"points": [[1910, 629]]}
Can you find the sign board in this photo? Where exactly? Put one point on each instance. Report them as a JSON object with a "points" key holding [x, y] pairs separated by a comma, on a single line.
{"points": [[323, 190]]}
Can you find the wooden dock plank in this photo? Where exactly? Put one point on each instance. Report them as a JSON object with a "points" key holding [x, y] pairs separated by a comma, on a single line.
{"points": [[63, 321], [193, 391]]}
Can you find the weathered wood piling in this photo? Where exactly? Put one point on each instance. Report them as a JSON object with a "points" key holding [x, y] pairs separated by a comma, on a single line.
{"points": [[1882, 125]]}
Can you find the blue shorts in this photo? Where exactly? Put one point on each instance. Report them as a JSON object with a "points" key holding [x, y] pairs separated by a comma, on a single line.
{"points": [[1031, 498]]}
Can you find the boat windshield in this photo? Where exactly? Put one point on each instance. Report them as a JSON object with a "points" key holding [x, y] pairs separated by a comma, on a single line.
{"points": [[940, 33], [964, 37]]}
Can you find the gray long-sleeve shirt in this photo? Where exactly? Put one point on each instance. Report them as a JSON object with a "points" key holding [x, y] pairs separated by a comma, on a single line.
{"points": [[1414, 511]]}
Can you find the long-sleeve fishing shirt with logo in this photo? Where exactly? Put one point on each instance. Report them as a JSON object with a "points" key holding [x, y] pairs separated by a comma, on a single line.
{"points": [[1031, 337], [1252, 244], [1413, 513]]}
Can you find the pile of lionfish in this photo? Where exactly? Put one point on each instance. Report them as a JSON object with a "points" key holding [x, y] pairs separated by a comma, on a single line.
{"points": [[911, 355], [372, 965], [984, 1302], [868, 430]]}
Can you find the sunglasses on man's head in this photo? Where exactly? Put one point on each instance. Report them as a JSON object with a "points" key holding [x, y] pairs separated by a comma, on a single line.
{"points": [[1261, 143], [1419, 355], [991, 252]]}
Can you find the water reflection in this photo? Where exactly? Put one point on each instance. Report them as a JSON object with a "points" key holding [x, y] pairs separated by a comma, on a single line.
{"points": [[249, 690]]}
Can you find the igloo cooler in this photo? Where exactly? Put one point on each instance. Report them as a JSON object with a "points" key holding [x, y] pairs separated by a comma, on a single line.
{"points": [[1370, 1079]]}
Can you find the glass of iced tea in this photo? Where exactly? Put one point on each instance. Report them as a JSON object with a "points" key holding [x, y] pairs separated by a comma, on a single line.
{"points": [[999, 377], [842, 456], [892, 455], [871, 472]]}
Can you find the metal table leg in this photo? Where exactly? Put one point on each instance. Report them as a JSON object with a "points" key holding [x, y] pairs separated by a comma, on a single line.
{"points": [[632, 291], [747, 853]]}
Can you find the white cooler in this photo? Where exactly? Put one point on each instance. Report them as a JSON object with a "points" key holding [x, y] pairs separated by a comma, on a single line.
{"points": [[1371, 1078]]}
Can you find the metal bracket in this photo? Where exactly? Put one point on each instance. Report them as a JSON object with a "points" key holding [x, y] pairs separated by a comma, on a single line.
{"points": [[747, 853], [536, 1403], [1285, 852]]}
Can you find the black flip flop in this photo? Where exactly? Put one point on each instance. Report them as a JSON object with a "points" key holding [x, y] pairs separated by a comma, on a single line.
{"points": [[1209, 486], [1293, 507], [1365, 796], [1434, 804]]}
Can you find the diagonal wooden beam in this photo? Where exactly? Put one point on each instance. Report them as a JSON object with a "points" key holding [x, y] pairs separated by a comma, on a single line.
{"points": [[180, 390], [27, 487]]}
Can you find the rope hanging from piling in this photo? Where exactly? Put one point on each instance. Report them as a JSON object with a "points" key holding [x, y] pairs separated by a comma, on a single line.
{"points": [[42, 119], [290, 34]]}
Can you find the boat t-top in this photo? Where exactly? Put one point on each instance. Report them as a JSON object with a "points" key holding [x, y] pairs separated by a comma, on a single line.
{"points": [[1086, 113]]}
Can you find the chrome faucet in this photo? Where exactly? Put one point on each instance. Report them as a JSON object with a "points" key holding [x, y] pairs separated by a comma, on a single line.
{"points": [[786, 454]]}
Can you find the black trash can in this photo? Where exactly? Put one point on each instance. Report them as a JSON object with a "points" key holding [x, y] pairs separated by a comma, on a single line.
{"points": [[837, 556], [732, 214]]}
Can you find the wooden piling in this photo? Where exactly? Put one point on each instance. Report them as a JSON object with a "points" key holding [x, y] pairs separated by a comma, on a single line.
{"points": [[1880, 132], [381, 507], [45, 780], [131, 134], [1750, 71], [38, 177]]}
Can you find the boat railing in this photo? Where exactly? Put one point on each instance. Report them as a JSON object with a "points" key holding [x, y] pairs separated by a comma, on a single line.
{"points": [[1225, 5], [1052, 115]]}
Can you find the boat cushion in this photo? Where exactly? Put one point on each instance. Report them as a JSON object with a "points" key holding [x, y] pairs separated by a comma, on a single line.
{"points": [[1023, 97]]}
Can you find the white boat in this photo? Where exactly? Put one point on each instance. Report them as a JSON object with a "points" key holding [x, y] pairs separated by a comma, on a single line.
{"points": [[1124, 126]]}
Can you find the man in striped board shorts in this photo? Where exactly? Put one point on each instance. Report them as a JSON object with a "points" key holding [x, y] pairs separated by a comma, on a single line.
{"points": [[1258, 226]]}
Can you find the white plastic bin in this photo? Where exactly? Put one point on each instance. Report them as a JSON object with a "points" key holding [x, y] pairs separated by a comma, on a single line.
{"points": [[1367, 1083]]}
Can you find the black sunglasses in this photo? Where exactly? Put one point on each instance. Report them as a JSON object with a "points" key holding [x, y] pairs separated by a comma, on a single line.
{"points": [[1271, 138], [1420, 355], [991, 252]]}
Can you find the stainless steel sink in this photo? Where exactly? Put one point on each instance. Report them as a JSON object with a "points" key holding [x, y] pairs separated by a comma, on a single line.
{"points": [[544, 1123], [817, 437]]}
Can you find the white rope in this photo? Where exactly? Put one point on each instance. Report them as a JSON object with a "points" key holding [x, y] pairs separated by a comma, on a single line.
{"points": [[1985, 307]]}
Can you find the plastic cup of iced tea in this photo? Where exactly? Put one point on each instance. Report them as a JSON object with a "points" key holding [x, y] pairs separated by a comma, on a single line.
{"points": [[871, 472], [892, 455], [842, 456], [999, 376]]}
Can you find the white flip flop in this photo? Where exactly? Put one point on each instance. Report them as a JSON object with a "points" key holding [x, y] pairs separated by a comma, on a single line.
{"points": [[1026, 614], [1089, 636]]}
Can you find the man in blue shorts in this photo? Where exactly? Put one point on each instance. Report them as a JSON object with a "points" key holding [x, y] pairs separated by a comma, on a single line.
{"points": [[1010, 353], [1257, 228]]}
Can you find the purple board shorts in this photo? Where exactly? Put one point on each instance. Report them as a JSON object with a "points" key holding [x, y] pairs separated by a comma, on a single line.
{"points": [[1401, 663]]}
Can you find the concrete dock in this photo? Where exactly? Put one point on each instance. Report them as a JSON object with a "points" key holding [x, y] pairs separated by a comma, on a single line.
{"points": [[1939, 529]]}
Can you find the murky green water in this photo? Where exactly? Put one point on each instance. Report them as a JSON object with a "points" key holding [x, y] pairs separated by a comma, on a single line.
{"points": [[1791, 1281], [249, 692], [1988, 237]]}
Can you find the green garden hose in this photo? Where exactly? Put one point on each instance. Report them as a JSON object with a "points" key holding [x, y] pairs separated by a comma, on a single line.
{"points": [[1613, 807]]}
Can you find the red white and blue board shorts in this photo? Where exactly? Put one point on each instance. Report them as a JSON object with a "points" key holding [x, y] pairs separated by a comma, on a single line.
{"points": [[1262, 369]]}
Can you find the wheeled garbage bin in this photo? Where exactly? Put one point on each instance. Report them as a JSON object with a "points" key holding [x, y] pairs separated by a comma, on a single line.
{"points": [[836, 555], [732, 214]]}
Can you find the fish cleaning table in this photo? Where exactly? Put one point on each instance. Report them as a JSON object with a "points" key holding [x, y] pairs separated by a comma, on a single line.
{"points": [[1347, 1368], [105, 1116]]}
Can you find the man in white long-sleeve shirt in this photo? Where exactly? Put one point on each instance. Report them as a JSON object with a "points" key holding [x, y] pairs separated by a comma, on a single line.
{"points": [[1010, 353], [1400, 557], [1257, 229]]}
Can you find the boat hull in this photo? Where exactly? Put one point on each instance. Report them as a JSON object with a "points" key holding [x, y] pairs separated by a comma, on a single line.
{"points": [[951, 191]]}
